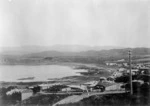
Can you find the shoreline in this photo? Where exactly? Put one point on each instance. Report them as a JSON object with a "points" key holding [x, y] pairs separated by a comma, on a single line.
{"points": [[66, 79]]}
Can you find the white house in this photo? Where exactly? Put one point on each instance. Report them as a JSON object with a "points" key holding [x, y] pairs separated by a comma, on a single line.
{"points": [[121, 69], [125, 64], [111, 63], [25, 93], [117, 74], [91, 83], [140, 81], [134, 71], [82, 87], [67, 89]]}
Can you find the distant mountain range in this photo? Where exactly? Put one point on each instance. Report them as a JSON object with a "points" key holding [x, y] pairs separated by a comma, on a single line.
{"points": [[94, 53], [45, 55], [58, 48], [71, 50]]}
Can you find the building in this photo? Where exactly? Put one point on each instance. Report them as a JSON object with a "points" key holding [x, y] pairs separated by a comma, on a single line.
{"points": [[110, 78], [46, 86], [121, 69], [75, 88], [117, 74], [91, 83], [134, 71], [144, 71], [110, 63], [125, 64], [25, 93], [67, 89], [13, 91], [81, 87]]}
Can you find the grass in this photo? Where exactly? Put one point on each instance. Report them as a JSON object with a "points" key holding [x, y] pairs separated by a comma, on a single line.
{"points": [[43, 100], [113, 100]]}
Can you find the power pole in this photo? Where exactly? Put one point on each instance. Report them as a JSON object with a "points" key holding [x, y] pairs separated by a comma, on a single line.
{"points": [[131, 86]]}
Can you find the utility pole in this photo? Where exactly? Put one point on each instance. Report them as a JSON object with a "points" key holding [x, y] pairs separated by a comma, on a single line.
{"points": [[131, 86]]}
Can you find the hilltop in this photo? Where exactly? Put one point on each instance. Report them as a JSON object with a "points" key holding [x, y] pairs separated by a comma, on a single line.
{"points": [[59, 48], [90, 56]]}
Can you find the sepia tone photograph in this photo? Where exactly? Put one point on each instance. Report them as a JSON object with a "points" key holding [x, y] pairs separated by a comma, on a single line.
{"points": [[74, 53]]}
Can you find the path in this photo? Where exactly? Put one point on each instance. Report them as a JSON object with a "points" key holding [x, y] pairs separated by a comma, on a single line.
{"points": [[77, 98]]}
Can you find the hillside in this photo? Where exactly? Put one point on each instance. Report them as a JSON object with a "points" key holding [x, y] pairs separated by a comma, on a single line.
{"points": [[101, 53], [59, 48], [46, 57]]}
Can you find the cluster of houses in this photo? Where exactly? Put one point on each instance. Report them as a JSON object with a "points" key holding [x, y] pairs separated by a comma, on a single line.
{"points": [[124, 63], [92, 86], [119, 63], [124, 67]]}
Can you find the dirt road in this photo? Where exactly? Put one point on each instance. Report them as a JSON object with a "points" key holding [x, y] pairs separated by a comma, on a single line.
{"points": [[77, 98]]}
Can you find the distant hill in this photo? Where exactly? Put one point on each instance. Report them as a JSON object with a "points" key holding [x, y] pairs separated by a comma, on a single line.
{"points": [[101, 53], [58, 48], [91, 56]]}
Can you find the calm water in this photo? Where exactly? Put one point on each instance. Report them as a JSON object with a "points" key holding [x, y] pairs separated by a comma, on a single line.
{"points": [[41, 73]]}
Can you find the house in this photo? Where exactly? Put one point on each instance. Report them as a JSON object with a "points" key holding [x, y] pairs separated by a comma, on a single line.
{"points": [[91, 83], [125, 64], [25, 93], [122, 63], [75, 88], [110, 63], [139, 81], [111, 79], [147, 65], [117, 74], [81, 87], [98, 88], [121, 69], [144, 71], [121, 60], [119, 64], [67, 89], [13, 91], [139, 65], [102, 79], [134, 71]]}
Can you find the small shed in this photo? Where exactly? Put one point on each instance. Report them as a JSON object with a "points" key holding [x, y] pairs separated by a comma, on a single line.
{"points": [[25, 94]]}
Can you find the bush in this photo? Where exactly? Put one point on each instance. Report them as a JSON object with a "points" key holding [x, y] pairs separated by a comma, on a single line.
{"points": [[113, 100], [36, 89], [56, 88], [43, 100], [126, 78], [9, 99]]}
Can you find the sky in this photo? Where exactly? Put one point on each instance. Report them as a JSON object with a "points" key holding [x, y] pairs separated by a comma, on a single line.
{"points": [[75, 22]]}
